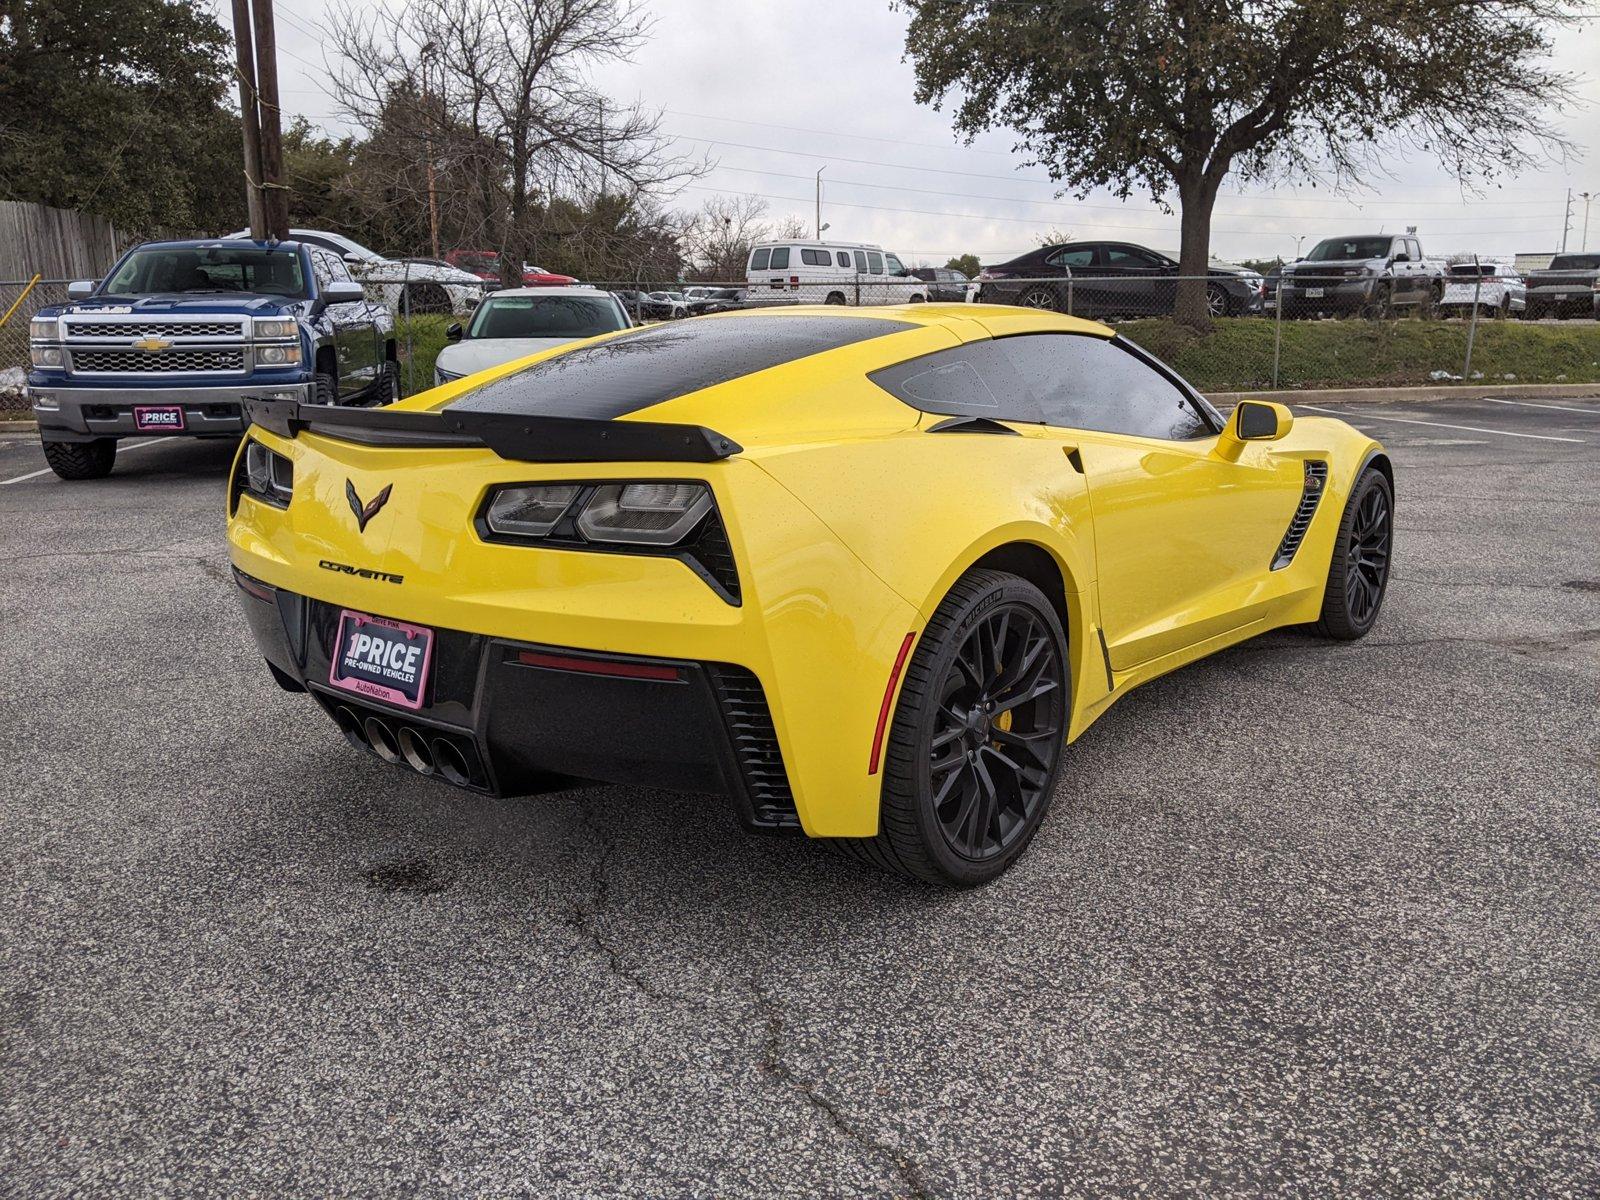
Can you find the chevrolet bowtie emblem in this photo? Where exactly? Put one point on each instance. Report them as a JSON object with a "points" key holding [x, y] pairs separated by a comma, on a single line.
{"points": [[365, 512], [152, 344]]}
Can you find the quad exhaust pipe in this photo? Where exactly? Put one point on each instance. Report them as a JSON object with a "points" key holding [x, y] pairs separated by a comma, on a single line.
{"points": [[425, 752]]}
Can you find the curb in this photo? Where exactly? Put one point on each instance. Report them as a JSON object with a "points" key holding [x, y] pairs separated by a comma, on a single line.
{"points": [[18, 426], [1393, 395]]}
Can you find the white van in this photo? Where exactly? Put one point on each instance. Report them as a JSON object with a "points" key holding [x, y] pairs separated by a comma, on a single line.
{"points": [[831, 273]]}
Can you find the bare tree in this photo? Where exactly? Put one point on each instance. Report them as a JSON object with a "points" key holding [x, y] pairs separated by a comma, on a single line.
{"points": [[717, 238], [503, 104]]}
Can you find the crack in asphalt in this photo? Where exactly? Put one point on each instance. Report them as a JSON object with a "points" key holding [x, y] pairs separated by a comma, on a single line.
{"points": [[911, 1173], [584, 918]]}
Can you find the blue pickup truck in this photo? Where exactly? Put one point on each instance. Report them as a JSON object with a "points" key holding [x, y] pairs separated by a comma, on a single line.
{"points": [[178, 333]]}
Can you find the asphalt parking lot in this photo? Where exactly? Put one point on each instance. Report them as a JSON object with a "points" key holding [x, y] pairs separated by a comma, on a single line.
{"points": [[1305, 918]]}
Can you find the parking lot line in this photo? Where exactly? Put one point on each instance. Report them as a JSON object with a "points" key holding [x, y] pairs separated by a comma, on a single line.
{"points": [[1538, 437], [1593, 411], [120, 450]]}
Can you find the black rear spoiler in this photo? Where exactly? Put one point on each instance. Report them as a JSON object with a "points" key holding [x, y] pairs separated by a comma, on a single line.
{"points": [[520, 438]]}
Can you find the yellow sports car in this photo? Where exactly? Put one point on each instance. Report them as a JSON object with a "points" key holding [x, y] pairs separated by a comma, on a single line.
{"points": [[866, 572]]}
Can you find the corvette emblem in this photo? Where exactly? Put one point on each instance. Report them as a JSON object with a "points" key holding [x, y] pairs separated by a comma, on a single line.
{"points": [[365, 512], [151, 345]]}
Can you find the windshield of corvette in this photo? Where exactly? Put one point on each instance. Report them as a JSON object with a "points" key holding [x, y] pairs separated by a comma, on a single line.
{"points": [[167, 269], [636, 370], [575, 316], [1071, 380]]}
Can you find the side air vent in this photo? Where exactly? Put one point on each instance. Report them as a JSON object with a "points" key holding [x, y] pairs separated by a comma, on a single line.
{"points": [[1316, 483], [755, 745]]}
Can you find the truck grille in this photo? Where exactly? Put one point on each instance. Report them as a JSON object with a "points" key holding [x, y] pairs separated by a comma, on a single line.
{"points": [[169, 329], [142, 362]]}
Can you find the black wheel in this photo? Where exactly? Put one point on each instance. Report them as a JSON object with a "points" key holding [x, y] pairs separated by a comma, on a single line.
{"points": [[82, 460], [325, 389], [1358, 576], [387, 388], [835, 298], [1039, 297], [426, 298], [1216, 300], [1532, 312], [976, 743], [1381, 306]]}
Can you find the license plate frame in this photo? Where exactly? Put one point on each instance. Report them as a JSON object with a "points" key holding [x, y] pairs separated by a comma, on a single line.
{"points": [[400, 680], [1316, 293], [158, 418]]}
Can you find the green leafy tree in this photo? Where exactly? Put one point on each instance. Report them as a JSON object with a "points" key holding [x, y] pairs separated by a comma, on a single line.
{"points": [[1172, 97], [119, 108], [967, 264]]}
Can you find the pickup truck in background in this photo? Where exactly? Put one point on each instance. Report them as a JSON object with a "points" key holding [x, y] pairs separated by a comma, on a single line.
{"points": [[1568, 287], [178, 333], [1371, 274]]}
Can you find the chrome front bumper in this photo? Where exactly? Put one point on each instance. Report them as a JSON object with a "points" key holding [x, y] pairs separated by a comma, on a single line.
{"points": [[76, 414]]}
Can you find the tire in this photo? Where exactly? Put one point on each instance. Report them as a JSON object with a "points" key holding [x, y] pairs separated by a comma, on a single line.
{"points": [[82, 460], [325, 389], [425, 298], [387, 388], [1216, 300], [1381, 306], [834, 298], [1358, 575], [1533, 312], [961, 817], [1039, 297], [917, 298]]}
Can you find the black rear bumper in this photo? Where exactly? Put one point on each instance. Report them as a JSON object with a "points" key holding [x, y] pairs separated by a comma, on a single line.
{"points": [[515, 718]]}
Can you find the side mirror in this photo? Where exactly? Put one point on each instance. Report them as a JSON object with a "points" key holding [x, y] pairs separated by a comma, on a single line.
{"points": [[352, 258], [81, 289], [343, 291], [1254, 421], [453, 332], [1400, 258]]}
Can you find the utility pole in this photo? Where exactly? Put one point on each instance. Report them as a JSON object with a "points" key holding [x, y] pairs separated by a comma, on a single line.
{"points": [[245, 69], [820, 170], [1586, 198], [274, 195], [427, 152], [1566, 221]]}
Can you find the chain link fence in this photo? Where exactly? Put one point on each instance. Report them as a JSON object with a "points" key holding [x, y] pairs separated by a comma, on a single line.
{"points": [[1265, 334]]}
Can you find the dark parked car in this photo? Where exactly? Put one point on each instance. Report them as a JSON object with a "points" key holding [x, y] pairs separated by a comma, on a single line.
{"points": [[944, 284], [1568, 287], [1110, 279]]}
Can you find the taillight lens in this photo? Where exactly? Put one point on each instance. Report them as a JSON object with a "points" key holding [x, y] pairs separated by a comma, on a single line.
{"points": [[267, 476], [644, 514], [530, 511]]}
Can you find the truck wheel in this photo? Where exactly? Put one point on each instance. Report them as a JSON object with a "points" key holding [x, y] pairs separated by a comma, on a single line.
{"points": [[325, 389], [81, 460], [834, 298], [1381, 306], [387, 389], [425, 298]]}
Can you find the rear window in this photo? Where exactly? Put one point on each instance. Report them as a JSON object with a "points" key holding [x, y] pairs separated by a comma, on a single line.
{"points": [[760, 259], [545, 317], [1575, 262], [1471, 270], [637, 370]]}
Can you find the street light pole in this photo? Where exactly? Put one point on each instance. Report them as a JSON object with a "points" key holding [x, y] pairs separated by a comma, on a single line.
{"points": [[1586, 197], [820, 170]]}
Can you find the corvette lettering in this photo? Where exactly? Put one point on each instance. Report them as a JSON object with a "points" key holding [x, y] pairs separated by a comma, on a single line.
{"points": [[361, 572]]}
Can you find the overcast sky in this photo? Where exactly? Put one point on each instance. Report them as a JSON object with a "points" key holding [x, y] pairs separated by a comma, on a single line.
{"points": [[771, 90]]}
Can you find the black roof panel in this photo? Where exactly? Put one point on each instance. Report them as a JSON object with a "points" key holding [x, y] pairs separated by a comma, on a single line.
{"points": [[650, 366]]}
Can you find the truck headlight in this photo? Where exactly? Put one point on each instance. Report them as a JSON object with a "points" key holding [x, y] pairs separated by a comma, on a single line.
{"points": [[46, 356], [43, 329], [278, 356], [275, 327]]}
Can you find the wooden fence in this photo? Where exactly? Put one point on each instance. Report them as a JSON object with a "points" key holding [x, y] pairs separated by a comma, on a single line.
{"points": [[59, 243]]}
